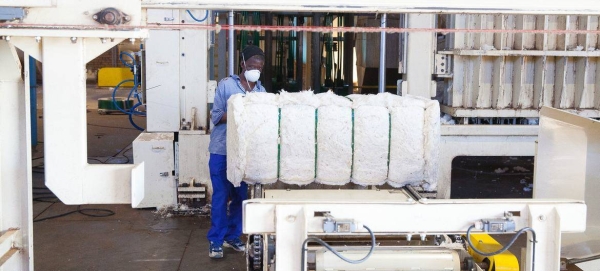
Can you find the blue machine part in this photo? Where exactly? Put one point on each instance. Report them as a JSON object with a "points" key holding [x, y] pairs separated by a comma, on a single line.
{"points": [[11, 13]]}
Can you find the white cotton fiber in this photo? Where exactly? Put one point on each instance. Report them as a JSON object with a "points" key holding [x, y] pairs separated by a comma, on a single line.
{"points": [[338, 148], [298, 98], [236, 145], [406, 149], [359, 100], [334, 155], [371, 142], [329, 98], [297, 161], [261, 143], [432, 144], [261, 98], [252, 133], [298, 117], [415, 141]]}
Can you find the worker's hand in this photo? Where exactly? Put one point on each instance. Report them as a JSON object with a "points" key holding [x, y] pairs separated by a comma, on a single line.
{"points": [[223, 118]]}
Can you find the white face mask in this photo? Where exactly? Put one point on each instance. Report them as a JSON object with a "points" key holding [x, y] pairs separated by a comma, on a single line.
{"points": [[252, 75]]}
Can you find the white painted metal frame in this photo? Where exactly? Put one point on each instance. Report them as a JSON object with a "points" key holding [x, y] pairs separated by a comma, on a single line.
{"points": [[502, 74], [420, 56], [177, 77], [16, 226], [155, 186], [567, 165], [292, 221], [481, 140], [391, 6], [67, 172], [64, 52], [29, 3]]}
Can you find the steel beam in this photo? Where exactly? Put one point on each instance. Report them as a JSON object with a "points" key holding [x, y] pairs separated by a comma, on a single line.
{"points": [[390, 6], [15, 160], [68, 174], [67, 18], [420, 56]]}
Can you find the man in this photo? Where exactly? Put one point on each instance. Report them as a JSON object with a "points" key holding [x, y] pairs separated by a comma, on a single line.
{"points": [[226, 227]]}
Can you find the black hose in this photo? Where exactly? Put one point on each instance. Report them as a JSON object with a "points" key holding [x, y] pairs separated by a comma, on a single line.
{"points": [[328, 247]]}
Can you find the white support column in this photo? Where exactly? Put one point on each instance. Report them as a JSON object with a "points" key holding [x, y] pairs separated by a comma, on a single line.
{"points": [[545, 220], [68, 174], [15, 162], [291, 232], [193, 73], [420, 59]]}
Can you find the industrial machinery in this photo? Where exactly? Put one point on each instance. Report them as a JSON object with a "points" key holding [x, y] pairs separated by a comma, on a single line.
{"points": [[327, 229], [485, 61]]}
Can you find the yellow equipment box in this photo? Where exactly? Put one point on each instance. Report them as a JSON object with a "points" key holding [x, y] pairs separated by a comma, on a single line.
{"points": [[111, 77]]}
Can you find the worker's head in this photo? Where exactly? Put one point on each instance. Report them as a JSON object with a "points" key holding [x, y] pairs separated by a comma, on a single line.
{"points": [[253, 60]]}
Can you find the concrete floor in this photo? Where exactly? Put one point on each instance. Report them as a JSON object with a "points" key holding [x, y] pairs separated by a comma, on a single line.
{"points": [[131, 239]]}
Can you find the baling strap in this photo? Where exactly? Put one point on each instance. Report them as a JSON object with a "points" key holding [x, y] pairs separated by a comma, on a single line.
{"points": [[352, 163], [389, 142], [316, 141], [279, 144]]}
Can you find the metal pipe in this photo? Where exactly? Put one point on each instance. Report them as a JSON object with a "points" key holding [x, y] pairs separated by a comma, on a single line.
{"points": [[382, 55], [33, 100], [268, 69], [231, 43], [404, 42], [582, 260], [299, 56], [316, 53], [211, 50], [257, 191]]}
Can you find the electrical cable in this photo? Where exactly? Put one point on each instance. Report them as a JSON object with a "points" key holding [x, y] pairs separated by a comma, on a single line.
{"points": [[195, 19], [335, 252], [81, 211], [131, 117], [114, 93], [54, 199], [113, 157], [44, 199], [506, 247], [116, 155], [115, 127], [133, 92]]}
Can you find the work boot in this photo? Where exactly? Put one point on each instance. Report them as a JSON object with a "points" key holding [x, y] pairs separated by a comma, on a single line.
{"points": [[236, 244]]}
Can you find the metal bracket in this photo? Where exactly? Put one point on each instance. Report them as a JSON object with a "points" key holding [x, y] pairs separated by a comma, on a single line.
{"points": [[111, 16], [443, 67]]}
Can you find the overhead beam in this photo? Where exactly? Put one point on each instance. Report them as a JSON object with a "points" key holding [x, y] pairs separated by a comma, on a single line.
{"points": [[390, 6]]}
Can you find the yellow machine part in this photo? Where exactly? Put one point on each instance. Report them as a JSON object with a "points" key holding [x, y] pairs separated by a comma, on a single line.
{"points": [[110, 77], [504, 261]]}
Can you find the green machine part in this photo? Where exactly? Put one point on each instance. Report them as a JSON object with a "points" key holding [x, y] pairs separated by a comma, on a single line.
{"points": [[106, 105]]}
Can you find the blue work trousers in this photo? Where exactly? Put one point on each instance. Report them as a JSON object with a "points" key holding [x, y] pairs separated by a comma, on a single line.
{"points": [[224, 225]]}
